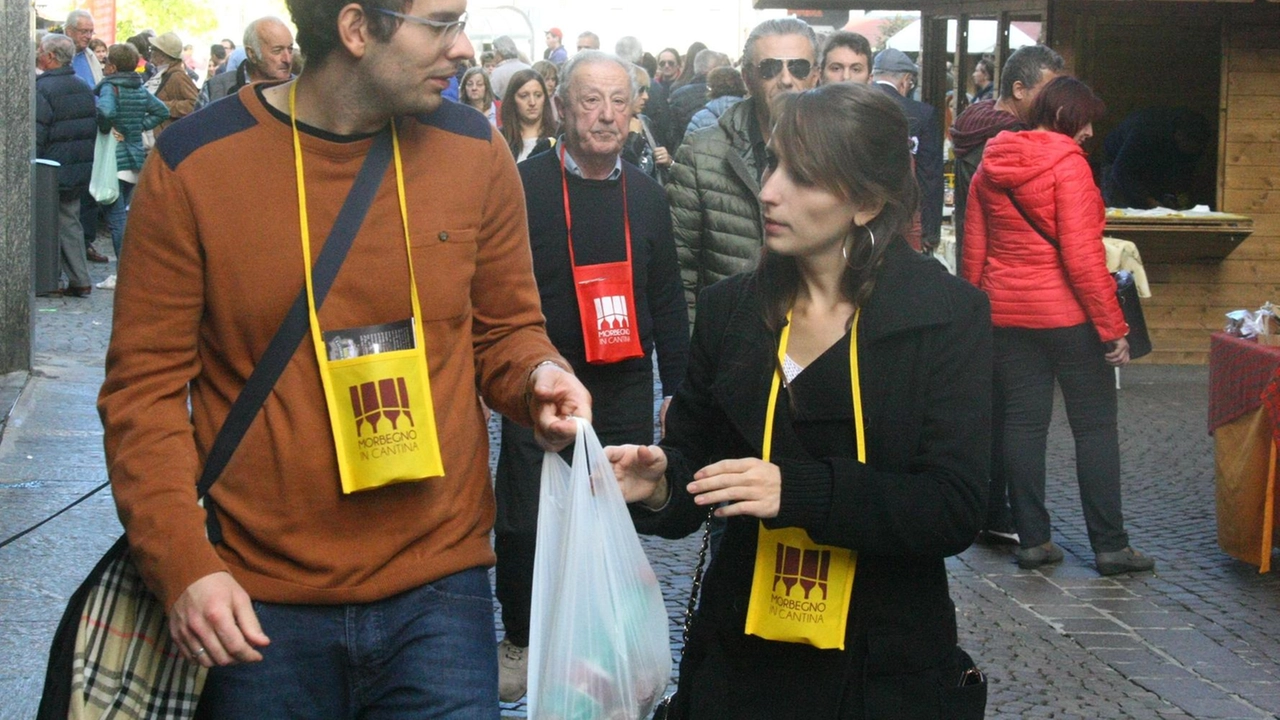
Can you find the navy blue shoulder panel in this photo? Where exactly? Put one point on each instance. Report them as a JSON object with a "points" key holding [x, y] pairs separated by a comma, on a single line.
{"points": [[458, 119], [222, 118]]}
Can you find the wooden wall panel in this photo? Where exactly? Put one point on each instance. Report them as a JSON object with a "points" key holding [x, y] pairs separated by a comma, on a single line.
{"points": [[1121, 49]]}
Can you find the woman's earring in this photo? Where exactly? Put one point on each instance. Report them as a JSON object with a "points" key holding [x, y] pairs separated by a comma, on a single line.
{"points": [[872, 234]]}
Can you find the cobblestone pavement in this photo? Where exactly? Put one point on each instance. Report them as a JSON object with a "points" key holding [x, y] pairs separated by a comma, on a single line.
{"points": [[1200, 638]]}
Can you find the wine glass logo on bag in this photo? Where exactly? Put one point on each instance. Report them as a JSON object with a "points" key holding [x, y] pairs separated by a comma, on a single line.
{"points": [[373, 401], [807, 568]]}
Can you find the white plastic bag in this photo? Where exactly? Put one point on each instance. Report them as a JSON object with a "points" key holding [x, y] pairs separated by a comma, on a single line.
{"points": [[104, 186], [599, 648]]}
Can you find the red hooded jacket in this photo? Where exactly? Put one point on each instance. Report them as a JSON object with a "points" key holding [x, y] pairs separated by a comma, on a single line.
{"points": [[1031, 284]]}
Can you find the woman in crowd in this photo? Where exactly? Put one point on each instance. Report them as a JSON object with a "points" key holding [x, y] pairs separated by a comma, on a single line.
{"points": [[686, 72], [99, 49], [839, 318], [984, 87], [1033, 242], [127, 109], [525, 115], [477, 93], [725, 88], [641, 147], [551, 79]]}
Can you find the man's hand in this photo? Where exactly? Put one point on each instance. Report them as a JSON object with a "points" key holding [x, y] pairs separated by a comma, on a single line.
{"points": [[555, 398], [661, 157], [1117, 352], [750, 487], [213, 623], [640, 470]]}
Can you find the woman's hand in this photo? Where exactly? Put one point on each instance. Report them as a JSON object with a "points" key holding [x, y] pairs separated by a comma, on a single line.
{"points": [[1117, 352], [641, 472], [662, 158], [750, 487]]}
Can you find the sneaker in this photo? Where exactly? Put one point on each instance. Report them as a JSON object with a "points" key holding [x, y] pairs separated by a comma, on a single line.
{"points": [[513, 671], [1123, 561], [108, 284], [998, 537], [1037, 556]]}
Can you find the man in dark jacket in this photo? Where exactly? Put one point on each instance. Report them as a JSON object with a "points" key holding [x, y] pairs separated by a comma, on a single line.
{"points": [[893, 72], [592, 180], [66, 128], [688, 99], [714, 184], [1025, 72], [268, 47]]}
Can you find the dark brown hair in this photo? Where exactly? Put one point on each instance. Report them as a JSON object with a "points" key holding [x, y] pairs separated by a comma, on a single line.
{"points": [[1066, 105], [510, 115], [124, 56], [851, 140], [317, 23]]}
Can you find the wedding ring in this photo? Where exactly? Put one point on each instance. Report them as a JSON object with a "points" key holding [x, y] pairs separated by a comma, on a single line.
{"points": [[198, 652]]}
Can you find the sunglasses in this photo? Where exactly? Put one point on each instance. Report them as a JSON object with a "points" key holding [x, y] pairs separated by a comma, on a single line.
{"points": [[667, 63], [770, 68]]}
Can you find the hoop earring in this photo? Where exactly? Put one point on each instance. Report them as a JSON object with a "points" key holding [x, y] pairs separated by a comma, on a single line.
{"points": [[872, 234]]}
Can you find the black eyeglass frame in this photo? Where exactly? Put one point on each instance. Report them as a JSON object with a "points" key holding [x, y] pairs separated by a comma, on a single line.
{"points": [[769, 68]]}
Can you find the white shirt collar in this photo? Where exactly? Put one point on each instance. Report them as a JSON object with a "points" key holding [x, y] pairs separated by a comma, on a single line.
{"points": [[572, 166]]}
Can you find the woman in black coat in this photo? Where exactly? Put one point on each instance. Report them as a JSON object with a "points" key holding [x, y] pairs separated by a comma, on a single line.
{"points": [[837, 199]]}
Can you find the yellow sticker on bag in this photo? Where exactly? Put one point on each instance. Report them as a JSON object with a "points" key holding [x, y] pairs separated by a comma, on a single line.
{"points": [[801, 591]]}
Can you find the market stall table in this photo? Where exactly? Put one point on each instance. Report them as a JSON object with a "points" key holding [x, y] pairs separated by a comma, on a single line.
{"points": [[1244, 419]]}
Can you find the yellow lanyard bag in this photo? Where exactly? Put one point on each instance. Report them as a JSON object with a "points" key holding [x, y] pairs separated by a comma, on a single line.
{"points": [[800, 591], [380, 407]]}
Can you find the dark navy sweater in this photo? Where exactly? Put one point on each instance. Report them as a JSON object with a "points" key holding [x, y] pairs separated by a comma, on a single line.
{"points": [[598, 237]]}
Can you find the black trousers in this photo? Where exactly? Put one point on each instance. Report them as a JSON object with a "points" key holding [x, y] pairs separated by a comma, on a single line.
{"points": [[1027, 362], [622, 413]]}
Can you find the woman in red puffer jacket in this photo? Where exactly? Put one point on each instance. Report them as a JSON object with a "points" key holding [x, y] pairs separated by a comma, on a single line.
{"points": [[1056, 317]]}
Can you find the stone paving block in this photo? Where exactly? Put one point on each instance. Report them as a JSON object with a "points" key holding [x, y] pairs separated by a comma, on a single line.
{"points": [[1091, 625], [1060, 612], [1153, 620], [1199, 700]]}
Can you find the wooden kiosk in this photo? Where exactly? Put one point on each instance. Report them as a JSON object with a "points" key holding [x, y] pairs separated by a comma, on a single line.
{"points": [[1219, 58]]}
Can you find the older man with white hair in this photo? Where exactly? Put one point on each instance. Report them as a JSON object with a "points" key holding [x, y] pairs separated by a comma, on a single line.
{"points": [[509, 63], [66, 128], [268, 47], [79, 27], [589, 212]]}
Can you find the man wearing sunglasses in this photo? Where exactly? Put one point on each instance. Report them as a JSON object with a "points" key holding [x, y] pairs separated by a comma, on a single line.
{"points": [[716, 179], [894, 73], [305, 601]]}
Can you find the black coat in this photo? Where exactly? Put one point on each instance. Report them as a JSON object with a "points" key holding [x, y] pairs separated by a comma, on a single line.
{"points": [[683, 102], [925, 363], [926, 139], [66, 126]]}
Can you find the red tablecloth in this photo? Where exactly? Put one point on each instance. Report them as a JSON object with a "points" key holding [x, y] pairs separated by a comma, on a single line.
{"points": [[1240, 371]]}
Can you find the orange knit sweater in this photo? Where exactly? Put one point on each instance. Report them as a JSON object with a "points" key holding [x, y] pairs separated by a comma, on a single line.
{"points": [[214, 260]]}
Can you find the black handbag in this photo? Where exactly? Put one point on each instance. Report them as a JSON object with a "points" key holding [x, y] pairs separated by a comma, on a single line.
{"points": [[1126, 293], [112, 655]]}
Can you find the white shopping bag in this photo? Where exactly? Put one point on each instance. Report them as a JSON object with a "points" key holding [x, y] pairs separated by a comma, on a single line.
{"points": [[599, 648]]}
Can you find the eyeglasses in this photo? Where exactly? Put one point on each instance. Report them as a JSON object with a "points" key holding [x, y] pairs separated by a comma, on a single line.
{"points": [[667, 63], [769, 68], [449, 29]]}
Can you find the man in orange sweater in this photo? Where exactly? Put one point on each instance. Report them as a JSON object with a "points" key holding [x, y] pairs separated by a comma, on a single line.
{"points": [[318, 603]]}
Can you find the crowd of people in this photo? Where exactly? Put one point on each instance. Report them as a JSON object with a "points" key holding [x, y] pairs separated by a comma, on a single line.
{"points": [[757, 231]]}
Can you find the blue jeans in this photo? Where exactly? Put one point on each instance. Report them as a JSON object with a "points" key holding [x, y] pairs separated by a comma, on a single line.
{"points": [[117, 213], [426, 653], [1026, 364]]}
